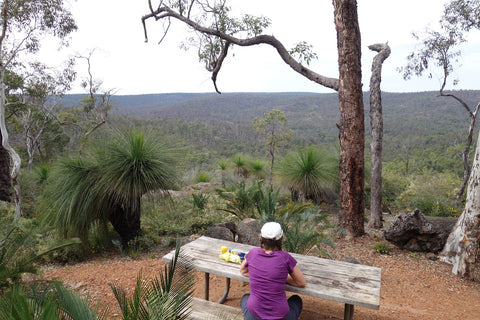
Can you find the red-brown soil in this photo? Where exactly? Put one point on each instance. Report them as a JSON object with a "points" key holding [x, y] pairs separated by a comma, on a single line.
{"points": [[413, 286]]}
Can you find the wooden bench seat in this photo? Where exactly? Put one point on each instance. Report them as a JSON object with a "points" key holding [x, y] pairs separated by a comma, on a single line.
{"points": [[208, 310]]}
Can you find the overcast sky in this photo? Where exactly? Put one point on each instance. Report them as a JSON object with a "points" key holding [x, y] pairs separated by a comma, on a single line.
{"points": [[124, 62]]}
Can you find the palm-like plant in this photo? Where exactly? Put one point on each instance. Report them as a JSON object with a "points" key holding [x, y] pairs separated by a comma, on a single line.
{"points": [[311, 172], [17, 255], [164, 298], [108, 182], [257, 168], [239, 200], [240, 164], [223, 169], [304, 227], [51, 302]]}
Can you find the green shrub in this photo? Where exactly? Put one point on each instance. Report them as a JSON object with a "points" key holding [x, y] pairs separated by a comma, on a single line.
{"points": [[393, 184], [239, 199], [202, 177], [432, 193], [19, 250], [51, 301], [199, 201], [304, 227], [178, 217], [382, 248]]}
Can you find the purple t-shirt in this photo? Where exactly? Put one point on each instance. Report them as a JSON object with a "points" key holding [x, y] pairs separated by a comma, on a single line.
{"points": [[268, 275]]}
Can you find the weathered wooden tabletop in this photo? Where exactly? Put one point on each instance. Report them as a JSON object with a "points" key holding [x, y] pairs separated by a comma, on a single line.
{"points": [[349, 283]]}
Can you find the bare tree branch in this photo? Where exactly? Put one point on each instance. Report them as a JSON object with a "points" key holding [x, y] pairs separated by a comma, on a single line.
{"points": [[218, 65], [165, 11]]}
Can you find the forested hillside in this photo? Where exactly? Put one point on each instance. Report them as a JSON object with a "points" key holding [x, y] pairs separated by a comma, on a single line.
{"points": [[414, 122]]}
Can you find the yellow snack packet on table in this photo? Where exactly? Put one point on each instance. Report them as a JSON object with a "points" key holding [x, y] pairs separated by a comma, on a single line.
{"points": [[225, 256]]}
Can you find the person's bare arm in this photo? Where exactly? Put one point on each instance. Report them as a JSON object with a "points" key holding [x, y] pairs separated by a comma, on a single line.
{"points": [[296, 278], [244, 268]]}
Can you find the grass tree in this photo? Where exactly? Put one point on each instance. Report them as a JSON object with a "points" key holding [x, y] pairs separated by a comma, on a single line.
{"points": [[257, 169], [223, 170], [240, 163], [310, 172], [107, 184]]}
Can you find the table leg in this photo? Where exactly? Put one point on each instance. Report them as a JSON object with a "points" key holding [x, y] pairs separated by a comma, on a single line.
{"points": [[348, 314], [225, 294], [207, 285]]}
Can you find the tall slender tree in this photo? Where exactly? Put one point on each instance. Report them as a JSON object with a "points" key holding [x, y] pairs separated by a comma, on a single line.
{"points": [[218, 32], [23, 23], [273, 126], [441, 49]]}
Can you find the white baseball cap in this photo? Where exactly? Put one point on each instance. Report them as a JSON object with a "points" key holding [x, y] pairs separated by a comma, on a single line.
{"points": [[272, 230]]}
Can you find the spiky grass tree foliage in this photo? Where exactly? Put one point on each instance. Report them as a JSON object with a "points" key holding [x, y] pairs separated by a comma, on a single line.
{"points": [[18, 254], [304, 226], [163, 298], [45, 302], [311, 173], [108, 182]]}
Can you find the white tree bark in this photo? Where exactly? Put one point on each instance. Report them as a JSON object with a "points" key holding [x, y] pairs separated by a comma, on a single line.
{"points": [[462, 246], [16, 161]]}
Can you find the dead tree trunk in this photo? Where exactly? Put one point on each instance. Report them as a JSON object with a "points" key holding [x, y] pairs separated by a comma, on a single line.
{"points": [[352, 123], [376, 123], [463, 244]]}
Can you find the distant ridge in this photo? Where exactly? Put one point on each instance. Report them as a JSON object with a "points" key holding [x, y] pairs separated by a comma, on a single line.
{"points": [[303, 109]]}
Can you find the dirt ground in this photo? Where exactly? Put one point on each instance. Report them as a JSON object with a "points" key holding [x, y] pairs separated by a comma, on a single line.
{"points": [[413, 285]]}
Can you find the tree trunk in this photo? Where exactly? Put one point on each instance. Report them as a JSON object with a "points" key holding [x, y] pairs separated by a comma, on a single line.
{"points": [[5, 183], [466, 152], [15, 158], [125, 220], [376, 123], [463, 244], [352, 126]]}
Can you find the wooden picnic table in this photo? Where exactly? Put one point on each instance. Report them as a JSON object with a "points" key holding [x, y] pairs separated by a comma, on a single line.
{"points": [[345, 282]]}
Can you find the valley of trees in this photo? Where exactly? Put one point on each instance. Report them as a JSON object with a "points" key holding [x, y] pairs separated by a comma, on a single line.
{"points": [[86, 173], [418, 126]]}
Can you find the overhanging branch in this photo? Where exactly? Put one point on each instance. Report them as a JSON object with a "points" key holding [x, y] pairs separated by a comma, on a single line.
{"points": [[164, 11]]}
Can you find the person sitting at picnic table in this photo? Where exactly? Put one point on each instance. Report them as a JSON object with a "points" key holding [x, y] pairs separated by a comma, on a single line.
{"points": [[269, 269]]}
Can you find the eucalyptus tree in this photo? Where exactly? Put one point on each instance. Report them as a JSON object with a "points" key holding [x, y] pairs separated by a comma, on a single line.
{"points": [[273, 127], [93, 109], [107, 184], [23, 24], [440, 49], [462, 248], [218, 32], [38, 94]]}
